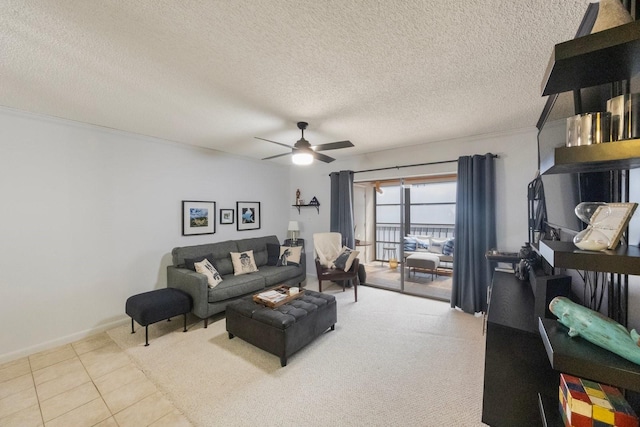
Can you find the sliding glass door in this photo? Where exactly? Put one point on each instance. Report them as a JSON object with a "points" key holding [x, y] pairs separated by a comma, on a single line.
{"points": [[412, 217]]}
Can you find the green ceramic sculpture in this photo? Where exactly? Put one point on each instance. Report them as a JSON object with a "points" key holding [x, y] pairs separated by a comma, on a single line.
{"points": [[597, 329]]}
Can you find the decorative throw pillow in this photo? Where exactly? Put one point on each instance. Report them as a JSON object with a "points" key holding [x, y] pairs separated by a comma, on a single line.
{"points": [[422, 242], [410, 243], [290, 255], [273, 253], [447, 248], [190, 262], [243, 262], [436, 245], [206, 268], [345, 259]]}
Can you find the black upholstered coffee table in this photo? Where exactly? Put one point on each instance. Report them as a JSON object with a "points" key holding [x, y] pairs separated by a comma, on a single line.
{"points": [[283, 330]]}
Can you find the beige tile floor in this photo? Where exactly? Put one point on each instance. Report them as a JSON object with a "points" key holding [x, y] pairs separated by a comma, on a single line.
{"points": [[87, 383]]}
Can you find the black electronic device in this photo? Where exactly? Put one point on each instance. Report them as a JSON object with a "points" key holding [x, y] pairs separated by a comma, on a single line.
{"points": [[545, 288]]}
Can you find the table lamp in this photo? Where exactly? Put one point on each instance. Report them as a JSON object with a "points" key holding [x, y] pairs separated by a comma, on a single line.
{"points": [[294, 228]]}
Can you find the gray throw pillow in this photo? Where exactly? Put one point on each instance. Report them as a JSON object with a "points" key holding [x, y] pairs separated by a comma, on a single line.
{"points": [[273, 253]]}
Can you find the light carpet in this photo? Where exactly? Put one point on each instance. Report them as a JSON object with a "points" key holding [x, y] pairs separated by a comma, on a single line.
{"points": [[393, 360]]}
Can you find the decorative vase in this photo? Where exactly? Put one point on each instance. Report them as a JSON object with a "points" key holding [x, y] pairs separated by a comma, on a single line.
{"points": [[611, 13]]}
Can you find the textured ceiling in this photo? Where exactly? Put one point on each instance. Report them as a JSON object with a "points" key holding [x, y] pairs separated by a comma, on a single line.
{"points": [[218, 73]]}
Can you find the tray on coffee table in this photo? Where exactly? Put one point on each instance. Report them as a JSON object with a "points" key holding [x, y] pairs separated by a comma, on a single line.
{"points": [[262, 297]]}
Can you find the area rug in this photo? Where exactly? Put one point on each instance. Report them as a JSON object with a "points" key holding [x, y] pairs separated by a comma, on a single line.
{"points": [[392, 360]]}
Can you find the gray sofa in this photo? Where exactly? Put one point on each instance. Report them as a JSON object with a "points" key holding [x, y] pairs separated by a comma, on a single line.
{"points": [[206, 301]]}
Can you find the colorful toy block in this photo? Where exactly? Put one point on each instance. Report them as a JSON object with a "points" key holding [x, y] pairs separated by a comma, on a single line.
{"points": [[585, 403]]}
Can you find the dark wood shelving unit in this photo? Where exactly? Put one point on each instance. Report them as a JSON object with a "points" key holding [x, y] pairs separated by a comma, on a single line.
{"points": [[609, 56], [603, 57], [608, 156], [578, 357], [623, 260]]}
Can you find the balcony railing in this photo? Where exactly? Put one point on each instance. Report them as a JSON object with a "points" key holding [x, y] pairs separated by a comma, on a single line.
{"points": [[391, 236]]}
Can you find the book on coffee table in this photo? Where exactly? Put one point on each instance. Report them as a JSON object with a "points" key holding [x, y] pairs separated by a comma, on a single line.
{"points": [[275, 297]]}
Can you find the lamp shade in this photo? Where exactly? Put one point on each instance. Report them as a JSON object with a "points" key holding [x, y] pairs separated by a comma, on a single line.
{"points": [[294, 226]]}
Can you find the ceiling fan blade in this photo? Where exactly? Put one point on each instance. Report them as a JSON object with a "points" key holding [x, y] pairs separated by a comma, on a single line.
{"points": [[274, 142], [333, 145], [276, 156], [323, 158]]}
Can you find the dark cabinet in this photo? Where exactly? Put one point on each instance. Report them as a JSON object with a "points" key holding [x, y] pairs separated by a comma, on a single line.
{"points": [[516, 366]]}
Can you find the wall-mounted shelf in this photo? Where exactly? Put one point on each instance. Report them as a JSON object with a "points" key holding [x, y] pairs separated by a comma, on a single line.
{"points": [[617, 155], [307, 206], [624, 259], [603, 57], [577, 356]]}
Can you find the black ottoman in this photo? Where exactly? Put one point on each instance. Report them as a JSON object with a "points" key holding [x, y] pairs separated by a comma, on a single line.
{"points": [[283, 330], [153, 306]]}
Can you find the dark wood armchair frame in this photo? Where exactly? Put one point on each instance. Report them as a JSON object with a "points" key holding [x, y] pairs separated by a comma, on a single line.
{"points": [[335, 275]]}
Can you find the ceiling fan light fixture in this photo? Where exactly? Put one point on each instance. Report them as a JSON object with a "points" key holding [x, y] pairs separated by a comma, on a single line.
{"points": [[302, 157]]}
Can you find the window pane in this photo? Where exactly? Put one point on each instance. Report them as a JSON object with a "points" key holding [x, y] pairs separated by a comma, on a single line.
{"points": [[437, 192], [389, 195], [433, 214], [388, 214]]}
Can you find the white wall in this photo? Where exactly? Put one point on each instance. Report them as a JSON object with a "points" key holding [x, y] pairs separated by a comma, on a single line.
{"points": [[88, 217], [515, 168]]}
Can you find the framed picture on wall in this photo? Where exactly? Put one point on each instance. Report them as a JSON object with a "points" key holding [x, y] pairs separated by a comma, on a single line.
{"points": [[226, 216], [247, 215], [198, 217]]}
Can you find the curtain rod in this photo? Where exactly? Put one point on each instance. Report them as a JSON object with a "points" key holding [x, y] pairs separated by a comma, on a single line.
{"points": [[495, 156]]}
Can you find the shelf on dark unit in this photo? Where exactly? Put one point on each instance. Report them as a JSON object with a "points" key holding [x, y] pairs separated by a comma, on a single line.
{"points": [[623, 260], [550, 412], [603, 57], [576, 356], [593, 158]]}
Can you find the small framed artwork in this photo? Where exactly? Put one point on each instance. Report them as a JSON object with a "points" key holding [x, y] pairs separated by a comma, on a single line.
{"points": [[198, 217], [226, 216], [248, 215], [612, 219]]}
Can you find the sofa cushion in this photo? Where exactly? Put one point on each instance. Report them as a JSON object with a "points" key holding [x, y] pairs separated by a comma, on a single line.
{"points": [[190, 262], [236, 286], [243, 262], [447, 248], [259, 247], [436, 245], [422, 243], [220, 251], [205, 267], [410, 243], [289, 255], [277, 275], [273, 253]]}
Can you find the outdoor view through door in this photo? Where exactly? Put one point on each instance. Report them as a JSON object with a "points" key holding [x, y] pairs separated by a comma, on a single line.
{"points": [[411, 244]]}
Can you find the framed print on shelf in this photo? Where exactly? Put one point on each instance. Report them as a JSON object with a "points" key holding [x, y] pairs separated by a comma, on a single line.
{"points": [[248, 215], [226, 216], [612, 219], [198, 217]]}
